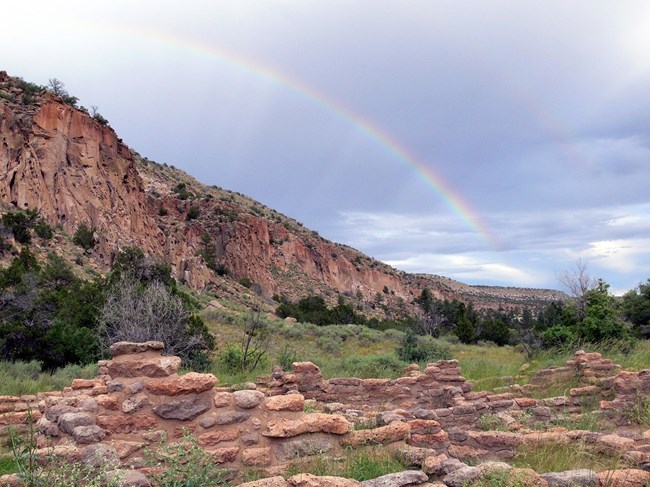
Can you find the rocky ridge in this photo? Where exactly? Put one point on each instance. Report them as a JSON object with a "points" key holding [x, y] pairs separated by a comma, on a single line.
{"points": [[72, 169]]}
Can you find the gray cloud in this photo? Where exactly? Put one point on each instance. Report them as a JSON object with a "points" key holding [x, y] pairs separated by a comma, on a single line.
{"points": [[533, 114]]}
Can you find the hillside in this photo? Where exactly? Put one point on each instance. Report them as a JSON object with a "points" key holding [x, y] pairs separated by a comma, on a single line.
{"points": [[74, 169]]}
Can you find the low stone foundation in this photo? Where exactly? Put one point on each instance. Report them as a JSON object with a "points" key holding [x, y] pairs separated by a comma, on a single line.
{"points": [[138, 401]]}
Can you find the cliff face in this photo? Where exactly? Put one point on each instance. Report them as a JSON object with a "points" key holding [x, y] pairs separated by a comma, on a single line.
{"points": [[62, 162]]}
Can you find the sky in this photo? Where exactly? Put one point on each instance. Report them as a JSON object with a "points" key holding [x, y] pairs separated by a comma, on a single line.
{"points": [[494, 142]]}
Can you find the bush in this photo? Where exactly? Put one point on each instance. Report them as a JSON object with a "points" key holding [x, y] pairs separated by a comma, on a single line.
{"points": [[422, 349], [193, 213], [84, 237], [184, 464], [20, 223], [43, 230]]}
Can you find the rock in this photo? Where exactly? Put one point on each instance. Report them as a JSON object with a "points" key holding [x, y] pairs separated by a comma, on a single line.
{"points": [[86, 383], [125, 448], [461, 477], [144, 367], [250, 438], [450, 465], [615, 443], [212, 438], [311, 423], [88, 434], [135, 387], [388, 417], [571, 478], [128, 478], [257, 457], [391, 433], [248, 399], [54, 412], [100, 455], [134, 404], [290, 402], [183, 409], [108, 402], [433, 463], [190, 383], [126, 424], [309, 480], [224, 455], [208, 422], [69, 421], [130, 348], [222, 399], [303, 447], [47, 427], [399, 479], [624, 478], [268, 482], [231, 417]]}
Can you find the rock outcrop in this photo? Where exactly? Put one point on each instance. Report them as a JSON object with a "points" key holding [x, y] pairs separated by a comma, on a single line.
{"points": [[61, 161]]}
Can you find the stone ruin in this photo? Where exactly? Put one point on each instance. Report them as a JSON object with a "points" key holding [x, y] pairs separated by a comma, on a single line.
{"points": [[432, 417]]}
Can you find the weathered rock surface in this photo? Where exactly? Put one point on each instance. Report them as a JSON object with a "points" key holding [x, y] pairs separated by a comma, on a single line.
{"points": [[399, 479], [183, 409]]}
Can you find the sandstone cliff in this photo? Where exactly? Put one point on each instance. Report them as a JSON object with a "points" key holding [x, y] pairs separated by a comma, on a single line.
{"points": [[59, 160]]}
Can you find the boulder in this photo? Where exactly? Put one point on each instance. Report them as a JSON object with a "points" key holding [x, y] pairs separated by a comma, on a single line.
{"points": [[190, 383], [183, 409], [398, 479], [248, 399], [88, 434], [130, 348], [571, 478]]}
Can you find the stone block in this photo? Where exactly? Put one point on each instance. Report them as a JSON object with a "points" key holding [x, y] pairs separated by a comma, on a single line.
{"points": [[190, 383]]}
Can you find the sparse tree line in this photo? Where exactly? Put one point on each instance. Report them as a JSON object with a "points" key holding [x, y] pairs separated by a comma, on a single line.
{"points": [[57, 88], [591, 315], [49, 314]]}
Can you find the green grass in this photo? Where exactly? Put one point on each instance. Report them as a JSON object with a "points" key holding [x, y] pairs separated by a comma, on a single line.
{"points": [[488, 366], [19, 378], [359, 464], [562, 456], [7, 465]]}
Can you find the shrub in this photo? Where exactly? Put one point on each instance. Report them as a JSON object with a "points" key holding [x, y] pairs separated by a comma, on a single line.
{"points": [[246, 282], [20, 223], [193, 213], [43, 230], [184, 464], [162, 211], [181, 191], [84, 237], [422, 349]]}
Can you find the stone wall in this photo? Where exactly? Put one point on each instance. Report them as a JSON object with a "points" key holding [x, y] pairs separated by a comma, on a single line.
{"points": [[138, 401], [439, 386]]}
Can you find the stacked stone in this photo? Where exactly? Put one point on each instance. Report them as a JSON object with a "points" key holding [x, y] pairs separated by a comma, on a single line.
{"points": [[139, 400], [16, 413], [631, 389], [591, 366], [439, 386]]}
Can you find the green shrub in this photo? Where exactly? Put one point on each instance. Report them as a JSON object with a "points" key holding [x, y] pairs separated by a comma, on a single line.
{"points": [[246, 282], [184, 464], [20, 223], [84, 237], [162, 211], [230, 359], [193, 213], [422, 348], [181, 191], [43, 230]]}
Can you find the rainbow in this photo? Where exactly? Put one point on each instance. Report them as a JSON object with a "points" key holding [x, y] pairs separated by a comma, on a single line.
{"points": [[451, 197]]}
